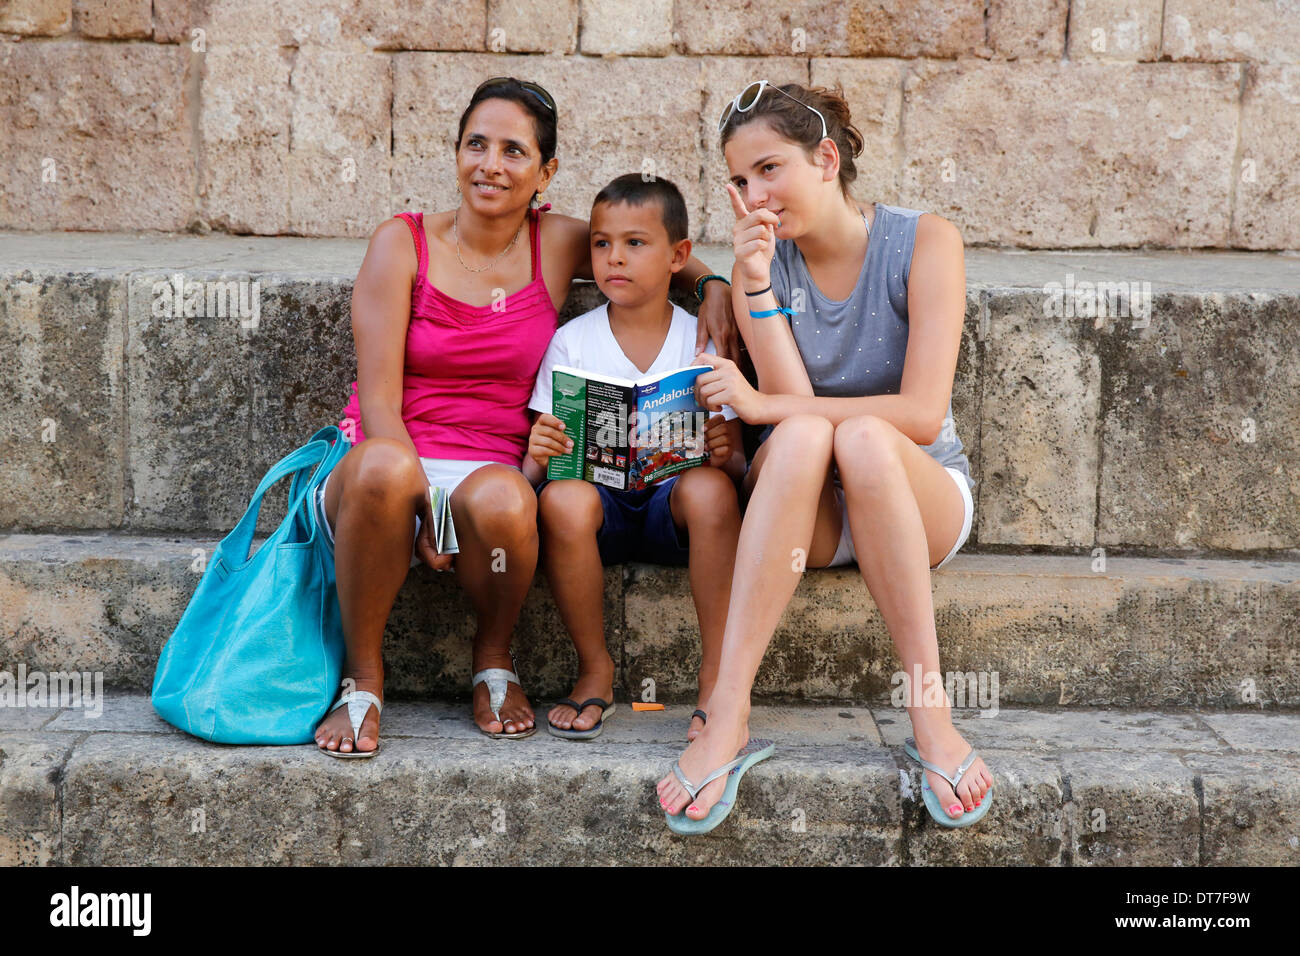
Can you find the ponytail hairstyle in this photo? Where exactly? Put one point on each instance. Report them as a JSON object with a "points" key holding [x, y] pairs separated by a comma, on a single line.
{"points": [[545, 121], [800, 125]]}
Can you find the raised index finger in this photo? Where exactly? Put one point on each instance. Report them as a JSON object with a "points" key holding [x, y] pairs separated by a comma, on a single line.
{"points": [[737, 204]]}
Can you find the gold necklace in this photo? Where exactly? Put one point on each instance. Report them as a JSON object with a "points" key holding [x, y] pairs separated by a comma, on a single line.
{"points": [[456, 233]]}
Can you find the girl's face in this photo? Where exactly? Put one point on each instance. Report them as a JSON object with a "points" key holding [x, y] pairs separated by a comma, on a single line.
{"points": [[498, 163], [773, 173]]}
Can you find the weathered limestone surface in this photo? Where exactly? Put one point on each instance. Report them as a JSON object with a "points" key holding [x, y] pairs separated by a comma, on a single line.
{"points": [[1076, 788]]}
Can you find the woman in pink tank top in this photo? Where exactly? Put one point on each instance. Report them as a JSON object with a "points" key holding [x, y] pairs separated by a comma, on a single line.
{"points": [[452, 313]]}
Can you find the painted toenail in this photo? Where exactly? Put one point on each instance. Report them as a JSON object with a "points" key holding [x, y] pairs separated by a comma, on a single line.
{"points": [[954, 809]]}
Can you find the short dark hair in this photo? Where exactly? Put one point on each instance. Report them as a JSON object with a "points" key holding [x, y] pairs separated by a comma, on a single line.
{"points": [[635, 190]]}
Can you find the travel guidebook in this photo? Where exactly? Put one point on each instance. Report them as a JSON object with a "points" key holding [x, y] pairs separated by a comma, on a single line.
{"points": [[628, 434], [444, 532]]}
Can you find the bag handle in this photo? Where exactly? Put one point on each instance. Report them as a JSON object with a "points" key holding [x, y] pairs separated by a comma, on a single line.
{"points": [[306, 511], [316, 452], [338, 448]]}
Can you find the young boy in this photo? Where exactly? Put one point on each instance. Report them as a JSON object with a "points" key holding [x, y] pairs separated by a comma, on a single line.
{"points": [[638, 241]]}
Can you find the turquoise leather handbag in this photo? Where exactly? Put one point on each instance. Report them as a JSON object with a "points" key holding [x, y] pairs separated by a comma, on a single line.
{"points": [[258, 653]]}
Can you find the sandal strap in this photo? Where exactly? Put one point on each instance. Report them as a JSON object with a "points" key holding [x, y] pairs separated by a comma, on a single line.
{"points": [[704, 718], [570, 702], [496, 678], [495, 673], [965, 764], [690, 787], [726, 768], [359, 703], [958, 773]]}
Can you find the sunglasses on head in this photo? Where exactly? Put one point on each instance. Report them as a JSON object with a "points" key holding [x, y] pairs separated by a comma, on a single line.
{"points": [[546, 99], [745, 100]]}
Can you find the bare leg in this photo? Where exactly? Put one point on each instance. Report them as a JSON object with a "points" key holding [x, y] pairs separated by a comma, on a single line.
{"points": [[571, 515], [703, 501], [495, 512], [781, 524], [371, 502], [905, 514]]}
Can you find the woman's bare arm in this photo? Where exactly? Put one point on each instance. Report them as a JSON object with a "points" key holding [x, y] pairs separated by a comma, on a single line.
{"points": [[531, 469], [573, 238], [717, 319], [381, 311], [770, 341]]}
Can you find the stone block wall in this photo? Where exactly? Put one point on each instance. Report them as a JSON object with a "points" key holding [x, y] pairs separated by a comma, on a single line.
{"points": [[1028, 123]]}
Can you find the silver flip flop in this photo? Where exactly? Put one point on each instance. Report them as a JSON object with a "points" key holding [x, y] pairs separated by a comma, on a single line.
{"points": [[359, 703], [497, 679]]}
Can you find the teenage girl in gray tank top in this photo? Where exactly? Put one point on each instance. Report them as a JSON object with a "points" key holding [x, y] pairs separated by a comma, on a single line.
{"points": [[853, 316]]}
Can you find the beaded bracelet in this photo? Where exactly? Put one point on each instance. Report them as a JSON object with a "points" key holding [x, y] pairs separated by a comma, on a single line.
{"points": [[699, 285]]}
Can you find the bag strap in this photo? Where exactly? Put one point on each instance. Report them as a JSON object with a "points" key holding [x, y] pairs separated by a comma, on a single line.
{"points": [[303, 483], [316, 453]]}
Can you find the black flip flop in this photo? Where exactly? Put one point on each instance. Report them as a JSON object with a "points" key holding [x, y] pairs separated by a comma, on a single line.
{"points": [[590, 732]]}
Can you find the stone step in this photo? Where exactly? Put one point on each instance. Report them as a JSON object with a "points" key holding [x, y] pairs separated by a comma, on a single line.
{"points": [[1170, 425], [1025, 629], [1071, 788]]}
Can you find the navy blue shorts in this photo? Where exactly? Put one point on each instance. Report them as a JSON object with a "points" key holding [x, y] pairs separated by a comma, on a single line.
{"points": [[639, 526]]}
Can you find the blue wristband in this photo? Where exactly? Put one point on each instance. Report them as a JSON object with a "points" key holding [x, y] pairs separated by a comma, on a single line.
{"points": [[770, 312]]}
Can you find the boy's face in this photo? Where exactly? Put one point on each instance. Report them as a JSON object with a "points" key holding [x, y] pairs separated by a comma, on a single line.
{"points": [[631, 258]]}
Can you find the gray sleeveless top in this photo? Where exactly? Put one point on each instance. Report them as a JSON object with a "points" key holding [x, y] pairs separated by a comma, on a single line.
{"points": [[857, 346]]}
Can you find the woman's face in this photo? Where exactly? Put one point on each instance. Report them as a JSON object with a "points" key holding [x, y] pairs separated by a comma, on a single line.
{"points": [[498, 163], [773, 173]]}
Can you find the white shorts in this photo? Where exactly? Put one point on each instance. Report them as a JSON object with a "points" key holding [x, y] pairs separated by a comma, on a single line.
{"points": [[441, 472], [845, 553]]}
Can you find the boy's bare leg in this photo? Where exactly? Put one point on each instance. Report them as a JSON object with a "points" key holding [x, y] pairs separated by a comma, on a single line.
{"points": [[703, 501], [571, 514]]}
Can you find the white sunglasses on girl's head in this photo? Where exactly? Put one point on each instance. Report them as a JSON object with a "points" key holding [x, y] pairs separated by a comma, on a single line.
{"points": [[745, 100]]}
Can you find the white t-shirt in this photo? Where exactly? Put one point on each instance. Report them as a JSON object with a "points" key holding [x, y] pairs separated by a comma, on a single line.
{"points": [[587, 342]]}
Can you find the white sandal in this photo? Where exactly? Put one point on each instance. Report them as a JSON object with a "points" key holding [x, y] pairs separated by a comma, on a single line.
{"points": [[497, 679], [359, 703]]}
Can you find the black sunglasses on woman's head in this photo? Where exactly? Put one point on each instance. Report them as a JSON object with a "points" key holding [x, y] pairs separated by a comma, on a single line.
{"points": [[546, 99]]}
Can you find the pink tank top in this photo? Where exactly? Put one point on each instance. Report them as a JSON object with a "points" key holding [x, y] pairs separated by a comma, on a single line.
{"points": [[469, 369]]}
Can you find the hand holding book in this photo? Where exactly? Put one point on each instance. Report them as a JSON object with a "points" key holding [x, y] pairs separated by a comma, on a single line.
{"points": [[435, 543], [444, 531], [717, 441], [548, 438], [727, 385]]}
